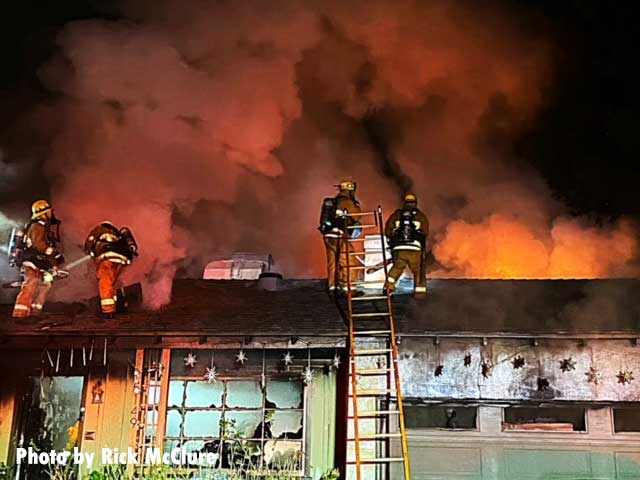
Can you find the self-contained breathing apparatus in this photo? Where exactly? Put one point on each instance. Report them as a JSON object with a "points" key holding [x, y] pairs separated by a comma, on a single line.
{"points": [[407, 233], [107, 238], [19, 252], [331, 218]]}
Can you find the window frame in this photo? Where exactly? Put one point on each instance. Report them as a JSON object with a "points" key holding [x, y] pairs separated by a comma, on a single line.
{"points": [[476, 428], [262, 441], [585, 416], [612, 409]]}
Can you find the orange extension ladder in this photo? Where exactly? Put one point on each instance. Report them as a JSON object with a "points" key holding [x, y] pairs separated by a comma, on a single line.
{"points": [[376, 413]]}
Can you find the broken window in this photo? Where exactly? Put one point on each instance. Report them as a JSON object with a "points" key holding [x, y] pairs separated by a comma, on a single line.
{"points": [[550, 419], [49, 418], [626, 419], [449, 417], [239, 420]]}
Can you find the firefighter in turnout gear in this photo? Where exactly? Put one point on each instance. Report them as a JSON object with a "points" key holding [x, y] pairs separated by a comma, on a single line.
{"points": [[407, 229], [38, 259], [334, 227], [112, 249]]}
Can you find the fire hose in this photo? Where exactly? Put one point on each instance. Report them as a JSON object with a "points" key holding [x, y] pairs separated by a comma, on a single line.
{"points": [[55, 273]]}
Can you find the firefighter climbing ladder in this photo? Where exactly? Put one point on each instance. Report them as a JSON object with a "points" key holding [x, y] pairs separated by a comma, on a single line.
{"points": [[375, 423]]}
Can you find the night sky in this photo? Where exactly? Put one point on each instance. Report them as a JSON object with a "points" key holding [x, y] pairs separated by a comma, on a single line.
{"points": [[586, 141]]}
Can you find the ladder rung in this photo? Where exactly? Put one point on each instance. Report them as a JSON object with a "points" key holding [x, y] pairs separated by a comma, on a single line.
{"points": [[360, 214], [373, 351], [376, 436], [374, 392], [366, 282], [373, 250], [377, 460], [370, 297], [372, 332], [376, 413], [371, 225], [373, 371], [373, 314]]}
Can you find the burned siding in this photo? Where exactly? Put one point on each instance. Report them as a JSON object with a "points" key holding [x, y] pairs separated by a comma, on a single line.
{"points": [[513, 369]]}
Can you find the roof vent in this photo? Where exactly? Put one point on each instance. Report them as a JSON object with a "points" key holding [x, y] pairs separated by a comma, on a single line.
{"points": [[241, 266], [270, 281]]}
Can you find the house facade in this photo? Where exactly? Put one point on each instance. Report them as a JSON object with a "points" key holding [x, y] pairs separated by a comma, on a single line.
{"points": [[501, 379]]}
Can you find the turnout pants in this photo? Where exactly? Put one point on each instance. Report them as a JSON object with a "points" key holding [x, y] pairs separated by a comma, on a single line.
{"points": [[414, 260], [33, 292], [108, 273], [337, 257]]}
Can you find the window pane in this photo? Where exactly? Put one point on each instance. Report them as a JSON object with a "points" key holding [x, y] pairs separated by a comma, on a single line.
{"points": [[426, 416], [626, 419], [176, 391], [204, 394], [563, 419], [246, 423], [285, 423], [244, 394], [283, 394], [174, 419], [283, 454], [202, 424], [242, 454]]}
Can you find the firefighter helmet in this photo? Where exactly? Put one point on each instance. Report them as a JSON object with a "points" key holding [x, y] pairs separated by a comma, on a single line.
{"points": [[39, 208], [348, 185], [410, 198]]}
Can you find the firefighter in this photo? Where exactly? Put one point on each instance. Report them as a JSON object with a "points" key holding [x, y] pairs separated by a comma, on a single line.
{"points": [[38, 260], [112, 249], [334, 227], [407, 229]]}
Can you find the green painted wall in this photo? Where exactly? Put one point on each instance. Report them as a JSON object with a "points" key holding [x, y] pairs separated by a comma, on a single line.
{"points": [[321, 424]]}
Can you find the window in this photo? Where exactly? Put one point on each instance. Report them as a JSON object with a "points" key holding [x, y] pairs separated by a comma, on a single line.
{"points": [[626, 419], [49, 419], [549, 419], [238, 420], [427, 416]]}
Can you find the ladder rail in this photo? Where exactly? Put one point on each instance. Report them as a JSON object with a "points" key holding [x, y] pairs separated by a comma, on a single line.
{"points": [[352, 359], [394, 356]]}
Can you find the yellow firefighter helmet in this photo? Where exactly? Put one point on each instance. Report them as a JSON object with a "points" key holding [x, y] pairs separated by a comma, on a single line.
{"points": [[410, 198], [347, 185], [40, 208]]}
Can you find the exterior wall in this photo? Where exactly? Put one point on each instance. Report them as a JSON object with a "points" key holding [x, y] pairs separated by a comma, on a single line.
{"points": [[108, 424], [7, 407], [420, 356], [491, 454], [321, 418]]}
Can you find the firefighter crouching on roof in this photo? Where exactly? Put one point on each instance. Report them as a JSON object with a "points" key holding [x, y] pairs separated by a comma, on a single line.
{"points": [[333, 225], [38, 260], [407, 229], [112, 249]]}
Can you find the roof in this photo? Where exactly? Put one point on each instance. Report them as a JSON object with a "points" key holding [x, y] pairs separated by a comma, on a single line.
{"points": [[202, 307], [303, 308], [523, 306]]}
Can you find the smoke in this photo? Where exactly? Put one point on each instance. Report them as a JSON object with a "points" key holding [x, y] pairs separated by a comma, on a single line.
{"points": [[213, 126]]}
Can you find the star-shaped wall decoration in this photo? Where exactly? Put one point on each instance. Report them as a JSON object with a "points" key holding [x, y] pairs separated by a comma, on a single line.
{"points": [[308, 376], [438, 370], [517, 362], [241, 357], [543, 384], [287, 358], [335, 363], [485, 368], [567, 364], [467, 360], [190, 360], [625, 376], [212, 375], [593, 375]]}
